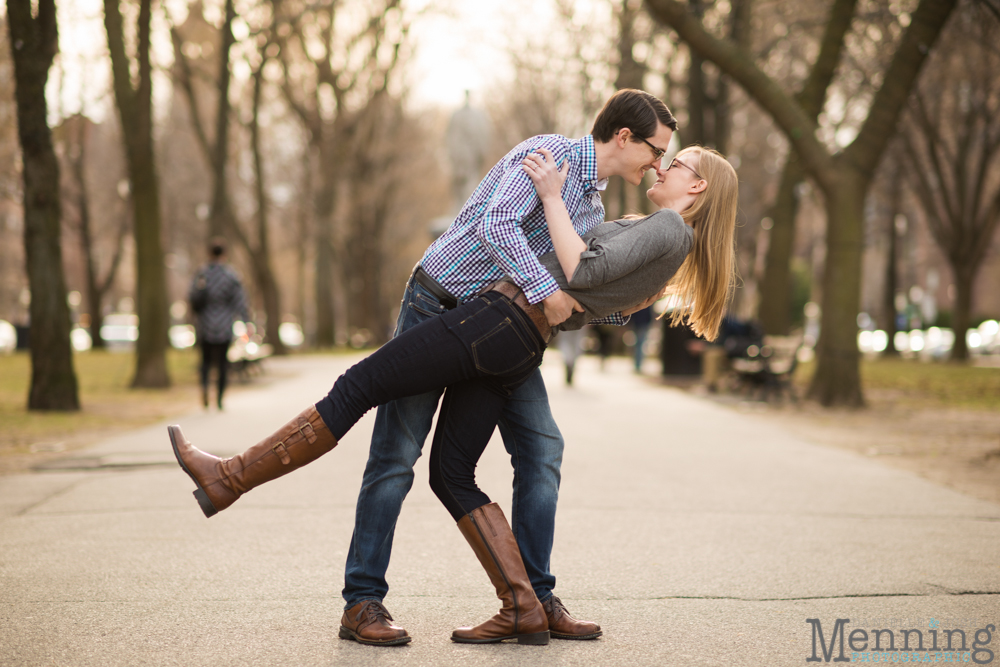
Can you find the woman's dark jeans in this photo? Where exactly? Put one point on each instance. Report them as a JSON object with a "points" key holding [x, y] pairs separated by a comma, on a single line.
{"points": [[481, 351]]}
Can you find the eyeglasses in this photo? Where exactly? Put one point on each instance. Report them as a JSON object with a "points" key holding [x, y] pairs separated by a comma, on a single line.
{"points": [[676, 161], [657, 152]]}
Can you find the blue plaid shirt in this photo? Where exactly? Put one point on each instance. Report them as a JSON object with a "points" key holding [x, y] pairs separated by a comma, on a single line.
{"points": [[501, 230]]}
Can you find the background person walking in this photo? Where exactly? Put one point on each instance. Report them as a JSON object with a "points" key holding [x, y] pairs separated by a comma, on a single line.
{"points": [[217, 299]]}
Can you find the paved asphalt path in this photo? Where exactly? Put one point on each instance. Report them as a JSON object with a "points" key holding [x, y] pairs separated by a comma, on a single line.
{"points": [[693, 532]]}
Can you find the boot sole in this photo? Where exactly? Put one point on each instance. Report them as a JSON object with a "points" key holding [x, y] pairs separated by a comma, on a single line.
{"points": [[534, 639], [200, 495], [593, 635], [346, 633]]}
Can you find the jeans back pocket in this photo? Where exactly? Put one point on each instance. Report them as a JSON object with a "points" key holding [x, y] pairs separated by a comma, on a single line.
{"points": [[503, 351]]}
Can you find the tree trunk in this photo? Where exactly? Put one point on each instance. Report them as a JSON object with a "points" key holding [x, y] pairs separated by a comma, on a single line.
{"points": [[695, 132], [621, 198], [151, 302], [326, 334], [965, 278], [630, 71], [222, 217], [302, 240], [889, 294], [96, 287], [262, 257], [892, 259], [136, 111], [34, 44], [776, 285], [837, 379], [77, 164], [740, 33]]}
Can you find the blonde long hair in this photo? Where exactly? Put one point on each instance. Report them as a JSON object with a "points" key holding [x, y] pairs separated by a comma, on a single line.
{"points": [[704, 283]]}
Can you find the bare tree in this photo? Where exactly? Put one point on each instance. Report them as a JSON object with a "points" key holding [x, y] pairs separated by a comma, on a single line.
{"points": [[563, 78], [77, 138], [34, 43], [134, 98], [776, 285], [952, 140], [261, 252], [348, 61], [843, 176], [216, 149]]}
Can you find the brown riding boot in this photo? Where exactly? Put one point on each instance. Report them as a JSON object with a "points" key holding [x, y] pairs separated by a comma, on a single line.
{"points": [[521, 617], [222, 481], [564, 626], [367, 622]]}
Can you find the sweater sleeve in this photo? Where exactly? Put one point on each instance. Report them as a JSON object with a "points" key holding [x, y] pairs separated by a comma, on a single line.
{"points": [[611, 257]]}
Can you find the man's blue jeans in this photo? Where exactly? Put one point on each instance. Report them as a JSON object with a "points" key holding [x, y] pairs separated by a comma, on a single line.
{"points": [[530, 436]]}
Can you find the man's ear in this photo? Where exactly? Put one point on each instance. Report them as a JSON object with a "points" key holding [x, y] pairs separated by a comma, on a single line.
{"points": [[622, 136]]}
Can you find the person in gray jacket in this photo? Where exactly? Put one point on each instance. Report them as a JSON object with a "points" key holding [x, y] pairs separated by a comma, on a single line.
{"points": [[217, 300], [484, 348]]}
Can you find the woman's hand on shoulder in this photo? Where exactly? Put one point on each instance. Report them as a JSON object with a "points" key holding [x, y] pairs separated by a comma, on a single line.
{"points": [[547, 178]]}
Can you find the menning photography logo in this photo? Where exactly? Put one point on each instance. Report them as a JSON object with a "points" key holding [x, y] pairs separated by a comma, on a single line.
{"points": [[935, 644]]}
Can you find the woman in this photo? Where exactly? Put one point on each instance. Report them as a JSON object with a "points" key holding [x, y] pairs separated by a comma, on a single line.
{"points": [[486, 347]]}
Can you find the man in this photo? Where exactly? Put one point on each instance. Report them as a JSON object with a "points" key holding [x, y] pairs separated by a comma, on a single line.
{"points": [[500, 231], [217, 298]]}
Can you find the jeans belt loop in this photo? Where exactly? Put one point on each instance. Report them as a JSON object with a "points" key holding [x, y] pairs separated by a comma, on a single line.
{"points": [[425, 280], [534, 313]]}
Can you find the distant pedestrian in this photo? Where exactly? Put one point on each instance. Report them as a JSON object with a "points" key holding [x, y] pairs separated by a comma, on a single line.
{"points": [[605, 342], [571, 346], [640, 322], [217, 299]]}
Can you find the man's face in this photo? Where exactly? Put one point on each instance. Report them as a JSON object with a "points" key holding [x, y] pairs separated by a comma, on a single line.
{"points": [[641, 155]]}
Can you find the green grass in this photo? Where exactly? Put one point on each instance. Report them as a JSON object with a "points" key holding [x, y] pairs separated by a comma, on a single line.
{"points": [[941, 384], [107, 402]]}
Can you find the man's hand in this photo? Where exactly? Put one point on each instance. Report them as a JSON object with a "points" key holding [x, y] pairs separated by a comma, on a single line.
{"points": [[559, 306]]}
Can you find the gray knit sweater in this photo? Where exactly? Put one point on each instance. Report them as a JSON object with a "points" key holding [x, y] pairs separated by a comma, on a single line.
{"points": [[625, 263]]}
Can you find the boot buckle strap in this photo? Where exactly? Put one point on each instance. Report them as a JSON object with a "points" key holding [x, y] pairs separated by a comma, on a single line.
{"points": [[307, 431], [281, 452]]}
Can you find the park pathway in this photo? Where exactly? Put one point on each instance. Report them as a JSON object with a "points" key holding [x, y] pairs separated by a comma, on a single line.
{"points": [[694, 533]]}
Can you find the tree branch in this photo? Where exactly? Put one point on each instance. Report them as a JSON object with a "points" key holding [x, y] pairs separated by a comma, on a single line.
{"points": [[738, 64], [188, 87], [48, 30], [813, 93], [926, 24], [124, 92]]}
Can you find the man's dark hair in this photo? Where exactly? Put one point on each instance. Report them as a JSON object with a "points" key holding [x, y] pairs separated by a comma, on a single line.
{"points": [[635, 109], [217, 246]]}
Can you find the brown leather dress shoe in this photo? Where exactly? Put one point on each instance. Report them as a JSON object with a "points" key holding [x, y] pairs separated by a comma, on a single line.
{"points": [[564, 626], [367, 622]]}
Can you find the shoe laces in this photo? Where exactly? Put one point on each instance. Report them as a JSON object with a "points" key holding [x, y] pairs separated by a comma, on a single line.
{"points": [[372, 610], [557, 606]]}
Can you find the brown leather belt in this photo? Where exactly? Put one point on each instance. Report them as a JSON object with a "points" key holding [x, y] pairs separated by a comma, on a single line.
{"points": [[534, 312], [424, 279]]}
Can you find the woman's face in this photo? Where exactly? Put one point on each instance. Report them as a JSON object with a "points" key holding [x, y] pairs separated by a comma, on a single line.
{"points": [[675, 180]]}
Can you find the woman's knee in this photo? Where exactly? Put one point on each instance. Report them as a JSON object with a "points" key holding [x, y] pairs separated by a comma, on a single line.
{"points": [[456, 489], [447, 498]]}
